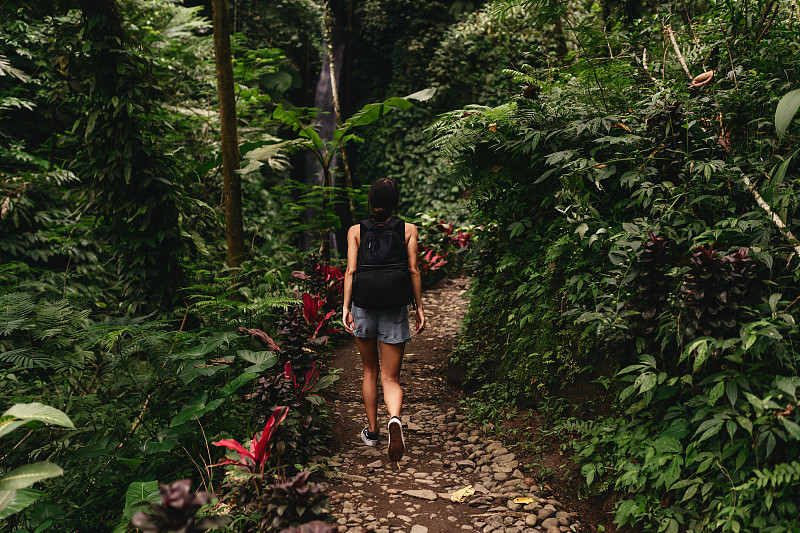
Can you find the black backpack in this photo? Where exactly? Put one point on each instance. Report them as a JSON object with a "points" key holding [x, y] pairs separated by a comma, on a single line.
{"points": [[382, 280]]}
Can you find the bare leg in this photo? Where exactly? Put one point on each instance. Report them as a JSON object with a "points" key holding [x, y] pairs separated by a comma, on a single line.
{"points": [[369, 385], [391, 360]]}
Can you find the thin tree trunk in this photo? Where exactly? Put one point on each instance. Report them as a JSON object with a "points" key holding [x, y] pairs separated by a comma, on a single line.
{"points": [[232, 186], [772, 215], [337, 108]]}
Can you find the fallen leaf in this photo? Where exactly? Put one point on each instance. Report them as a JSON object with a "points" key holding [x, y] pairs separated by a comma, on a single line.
{"points": [[523, 499], [462, 494]]}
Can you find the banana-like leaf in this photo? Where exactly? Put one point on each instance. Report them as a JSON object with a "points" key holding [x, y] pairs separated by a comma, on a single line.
{"points": [[27, 475], [9, 423], [19, 500], [786, 110], [41, 412], [292, 118], [6, 497], [372, 112]]}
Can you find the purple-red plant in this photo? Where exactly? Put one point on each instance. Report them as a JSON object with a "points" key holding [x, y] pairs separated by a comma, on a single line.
{"points": [[311, 312], [177, 511], [256, 457], [265, 339], [311, 377]]}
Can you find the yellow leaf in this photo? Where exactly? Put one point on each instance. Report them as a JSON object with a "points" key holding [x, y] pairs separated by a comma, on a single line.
{"points": [[461, 494], [523, 499]]}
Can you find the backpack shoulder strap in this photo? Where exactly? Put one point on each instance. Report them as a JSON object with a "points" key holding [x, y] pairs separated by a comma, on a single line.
{"points": [[366, 225], [398, 225]]}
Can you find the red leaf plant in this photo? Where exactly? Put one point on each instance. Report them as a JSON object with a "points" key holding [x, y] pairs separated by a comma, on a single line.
{"points": [[256, 457], [311, 307], [431, 261], [461, 240], [331, 273], [311, 377], [265, 339]]}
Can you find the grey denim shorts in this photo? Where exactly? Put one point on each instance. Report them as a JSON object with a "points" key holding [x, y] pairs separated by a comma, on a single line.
{"points": [[390, 325]]}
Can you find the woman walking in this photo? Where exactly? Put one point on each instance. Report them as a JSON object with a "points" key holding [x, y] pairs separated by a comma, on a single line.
{"points": [[382, 278]]}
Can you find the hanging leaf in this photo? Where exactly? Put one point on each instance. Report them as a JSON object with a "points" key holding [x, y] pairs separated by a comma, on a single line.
{"points": [[40, 412], [27, 475], [786, 110]]}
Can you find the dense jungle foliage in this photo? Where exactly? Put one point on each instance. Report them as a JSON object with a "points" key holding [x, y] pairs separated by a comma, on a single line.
{"points": [[638, 204], [619, 178]]}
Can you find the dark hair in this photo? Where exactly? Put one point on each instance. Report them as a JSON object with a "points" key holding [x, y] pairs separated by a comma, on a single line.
{"points": [[382, 197]]}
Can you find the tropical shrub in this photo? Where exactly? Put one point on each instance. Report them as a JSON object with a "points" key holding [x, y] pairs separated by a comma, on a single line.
{"points": [[641, 237]]}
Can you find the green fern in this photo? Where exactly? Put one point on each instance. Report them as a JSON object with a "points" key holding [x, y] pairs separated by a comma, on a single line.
{"points": [[781, 475], [26, 358]]}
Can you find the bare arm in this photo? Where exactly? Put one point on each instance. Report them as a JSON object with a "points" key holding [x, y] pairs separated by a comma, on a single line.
{"points": [[353, 238], [412, 247]]}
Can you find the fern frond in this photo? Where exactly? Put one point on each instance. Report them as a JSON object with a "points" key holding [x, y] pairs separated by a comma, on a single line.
{"points": [[26, 358], [268, 303], [16, 309]]}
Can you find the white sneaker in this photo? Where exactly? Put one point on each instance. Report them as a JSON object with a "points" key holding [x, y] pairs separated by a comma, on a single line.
{"points": [[369, 438], [397, 443]]}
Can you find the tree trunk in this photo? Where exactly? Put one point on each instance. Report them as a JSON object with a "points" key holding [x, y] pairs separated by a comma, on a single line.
{"points": [[337, 108], [232, 186]]}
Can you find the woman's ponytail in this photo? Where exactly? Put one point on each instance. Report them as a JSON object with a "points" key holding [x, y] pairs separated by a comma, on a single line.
{"points": [[383, 196]]}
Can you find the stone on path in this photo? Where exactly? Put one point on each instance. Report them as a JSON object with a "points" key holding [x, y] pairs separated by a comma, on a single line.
{"points": [[419, 529], [424, 494]]}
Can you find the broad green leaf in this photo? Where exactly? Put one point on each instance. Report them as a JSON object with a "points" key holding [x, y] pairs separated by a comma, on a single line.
{"points": [[792, 428], [315, 399], [196, 409], [238, 382], [786, 110], [691, 491], [787, 384], [27, 475], [716, 393], [38, 411], [745, 423], [647, 382], [673, 471], [138, 492], [20, 499], [324, 382], [672, 526], [8, 424], [698, 345], [667, 445], [203, 349], [588, 471], [624, 511], [141, 491], [6, 498], [260, 360]]}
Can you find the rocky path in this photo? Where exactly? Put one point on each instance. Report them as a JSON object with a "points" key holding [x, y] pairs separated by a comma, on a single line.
{"points": [[444, 453]]}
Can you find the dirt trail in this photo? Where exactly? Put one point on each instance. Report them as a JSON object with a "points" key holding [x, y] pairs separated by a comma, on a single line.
{"points": [[443, 452]]}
